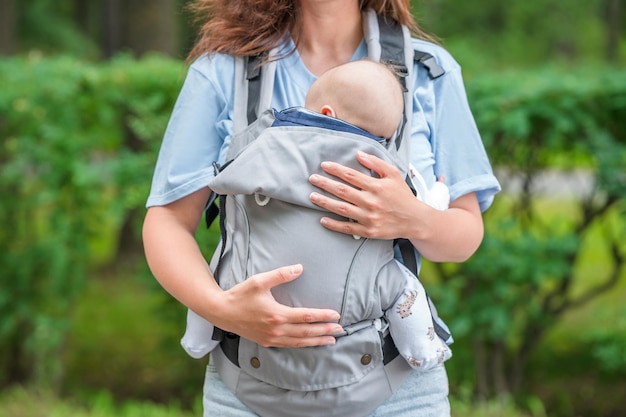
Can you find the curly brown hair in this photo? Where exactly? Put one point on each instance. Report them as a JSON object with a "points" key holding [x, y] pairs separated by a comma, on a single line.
{"points": [[243, 28]]}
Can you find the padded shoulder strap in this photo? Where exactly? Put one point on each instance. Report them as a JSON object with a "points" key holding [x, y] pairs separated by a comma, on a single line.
{"points": [[390, 42], [254, 83], [240, 118], [253, 75]]}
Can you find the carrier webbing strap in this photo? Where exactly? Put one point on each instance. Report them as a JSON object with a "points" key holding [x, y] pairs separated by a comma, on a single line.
{"points": [[392, 50], [229, 342], [390, 351], [211, 212], [408, 255], [253, 75]]}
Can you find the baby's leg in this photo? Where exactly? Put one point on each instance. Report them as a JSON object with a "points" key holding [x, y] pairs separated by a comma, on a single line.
{"points": [[412, 329], [197, 340]]}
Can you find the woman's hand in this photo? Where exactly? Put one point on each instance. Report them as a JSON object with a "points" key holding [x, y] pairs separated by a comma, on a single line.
{"points": [[379, 208], [385, 208], [255, 315]]}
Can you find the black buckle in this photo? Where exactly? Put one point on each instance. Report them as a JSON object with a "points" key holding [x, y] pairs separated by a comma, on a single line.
{"points": [[428, 61], [229, 342], [390, 351]]}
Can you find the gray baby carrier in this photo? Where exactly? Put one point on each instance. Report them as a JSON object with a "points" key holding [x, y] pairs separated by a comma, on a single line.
{"points": [[263, 194]]}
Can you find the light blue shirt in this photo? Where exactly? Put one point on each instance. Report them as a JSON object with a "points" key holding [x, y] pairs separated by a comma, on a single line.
{"points": [[444, 141]]}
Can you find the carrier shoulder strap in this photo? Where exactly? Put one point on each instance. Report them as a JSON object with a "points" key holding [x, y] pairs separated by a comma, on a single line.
{"points": [[254, 84]]}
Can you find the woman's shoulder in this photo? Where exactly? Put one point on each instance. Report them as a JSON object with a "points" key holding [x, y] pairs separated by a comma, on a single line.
{"points": [[441, 55], [217, 68]]}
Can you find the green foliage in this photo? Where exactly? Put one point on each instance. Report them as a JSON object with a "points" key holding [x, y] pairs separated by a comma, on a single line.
{"points": [[502, 272], [483, 34], [78, 147], [464, 405], [607, 345], [556, 113], [543, 129], [49, 25], [18, 402], [136, 334], [520, 34]]}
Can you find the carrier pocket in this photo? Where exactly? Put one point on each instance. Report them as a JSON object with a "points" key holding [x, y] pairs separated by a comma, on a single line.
{"points": [[314, 368]]}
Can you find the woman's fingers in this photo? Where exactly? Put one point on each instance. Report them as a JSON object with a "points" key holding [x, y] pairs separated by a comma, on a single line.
{"points": [[357, 179], [374, 206], [265, 321], [270, 279], [303, 335]]}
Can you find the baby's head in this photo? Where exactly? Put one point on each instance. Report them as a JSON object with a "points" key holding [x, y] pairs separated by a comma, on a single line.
{"points": [[365, 93]]}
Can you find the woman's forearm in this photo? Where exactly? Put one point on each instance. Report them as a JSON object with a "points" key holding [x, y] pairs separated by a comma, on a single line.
{"points": [[176, 261], [451, 235]]}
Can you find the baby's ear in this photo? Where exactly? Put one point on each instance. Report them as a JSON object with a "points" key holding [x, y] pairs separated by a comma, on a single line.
{"points": [[328, 111]]}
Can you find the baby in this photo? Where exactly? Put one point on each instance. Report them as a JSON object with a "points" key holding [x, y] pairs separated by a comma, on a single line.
{"points": [[365, 98], [367, 94]]}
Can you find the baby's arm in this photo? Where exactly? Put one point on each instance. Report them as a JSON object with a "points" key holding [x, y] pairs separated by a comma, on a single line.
{"points": [[437, 197]]}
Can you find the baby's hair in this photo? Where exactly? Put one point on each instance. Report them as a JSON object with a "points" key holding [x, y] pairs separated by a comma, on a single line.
{"points": [[399, 71]]}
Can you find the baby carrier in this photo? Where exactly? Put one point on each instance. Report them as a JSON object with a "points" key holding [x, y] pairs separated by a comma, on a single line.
{"points": [[266, 175]]}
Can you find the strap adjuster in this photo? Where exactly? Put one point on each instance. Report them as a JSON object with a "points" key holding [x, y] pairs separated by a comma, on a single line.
{"points": [[428, 61]]}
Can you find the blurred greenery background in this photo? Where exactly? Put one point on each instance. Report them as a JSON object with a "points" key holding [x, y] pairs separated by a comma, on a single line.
{"points": [[538, 314]]}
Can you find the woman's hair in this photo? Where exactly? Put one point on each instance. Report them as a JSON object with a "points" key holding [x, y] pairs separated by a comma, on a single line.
{"points": [[243, 28]]}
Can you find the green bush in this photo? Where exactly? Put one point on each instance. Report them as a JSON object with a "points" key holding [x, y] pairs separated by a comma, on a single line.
{"points": [[19, 402], [78, 146], [542, 129], [125, 340]]}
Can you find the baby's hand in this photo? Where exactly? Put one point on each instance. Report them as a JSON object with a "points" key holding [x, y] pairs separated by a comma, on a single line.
{"points": [[439, 195]]}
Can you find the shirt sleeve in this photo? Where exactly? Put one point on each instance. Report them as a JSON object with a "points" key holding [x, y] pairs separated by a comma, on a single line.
{"points": [[458, 152], [196, 134]]}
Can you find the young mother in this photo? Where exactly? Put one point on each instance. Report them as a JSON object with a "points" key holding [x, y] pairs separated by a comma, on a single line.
{"points": [[312, 36]]}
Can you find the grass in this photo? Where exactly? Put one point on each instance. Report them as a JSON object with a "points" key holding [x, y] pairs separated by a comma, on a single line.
{"points": [[20, 402], [125, 339]]}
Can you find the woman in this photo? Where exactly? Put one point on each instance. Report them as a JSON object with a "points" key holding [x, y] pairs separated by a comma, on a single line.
{"points": [[313, 36]]}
